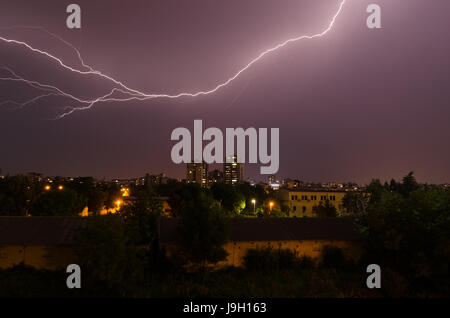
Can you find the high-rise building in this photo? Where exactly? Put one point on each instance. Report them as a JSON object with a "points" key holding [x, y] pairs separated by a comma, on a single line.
{"points": [[197, 173], [215, 176], [233, 172]]}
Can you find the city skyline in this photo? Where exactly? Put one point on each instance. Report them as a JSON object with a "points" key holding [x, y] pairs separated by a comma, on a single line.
{"points": [[355, 105]]}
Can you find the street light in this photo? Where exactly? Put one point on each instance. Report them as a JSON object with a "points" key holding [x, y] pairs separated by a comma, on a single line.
{"points": [[47, 187], [118, 202], [60, 187], [271, 205], [254, 206]]}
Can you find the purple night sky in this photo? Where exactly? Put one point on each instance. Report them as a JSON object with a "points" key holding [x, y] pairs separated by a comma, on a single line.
{"points": [[354, 105]]}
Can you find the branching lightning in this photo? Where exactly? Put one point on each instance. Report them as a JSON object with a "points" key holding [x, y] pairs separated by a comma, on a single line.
{"points": [[120, 92]]}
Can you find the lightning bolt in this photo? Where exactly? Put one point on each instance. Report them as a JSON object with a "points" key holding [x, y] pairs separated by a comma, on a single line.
{"points": [[125, 92]]}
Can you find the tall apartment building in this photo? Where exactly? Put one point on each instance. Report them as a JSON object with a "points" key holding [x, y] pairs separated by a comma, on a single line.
{"points": [[197, 173], [233, 172]]}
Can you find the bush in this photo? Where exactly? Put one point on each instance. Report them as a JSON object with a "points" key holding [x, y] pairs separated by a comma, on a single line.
{"points": [[107, 254], [334, 257], [58, 203]]}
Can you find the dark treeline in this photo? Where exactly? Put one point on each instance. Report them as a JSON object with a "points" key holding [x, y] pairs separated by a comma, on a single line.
{"points": [[23, 195]]}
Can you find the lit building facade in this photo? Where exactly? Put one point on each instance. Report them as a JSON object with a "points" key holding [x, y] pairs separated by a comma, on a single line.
{"points": [[300, 203], [197, 173], [233, 172]]}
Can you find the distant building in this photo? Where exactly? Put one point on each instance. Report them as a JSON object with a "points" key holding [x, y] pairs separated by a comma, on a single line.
{"points": [[128, 182], [34, 176], [157, 179], [233, 172], [251, 181], [289, 183], [304, 237], [300, 203], [273, 182], [197, 173]]}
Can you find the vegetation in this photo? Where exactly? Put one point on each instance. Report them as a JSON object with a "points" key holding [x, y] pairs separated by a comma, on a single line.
{"points": [[326, 210], [406, 230], [202, 231], [107, 255], [23, 195], [267, 259], [58, 203], [17, 194]]}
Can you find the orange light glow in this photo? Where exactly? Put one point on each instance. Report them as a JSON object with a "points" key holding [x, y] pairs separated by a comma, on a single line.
{"points": [[125, 192]]}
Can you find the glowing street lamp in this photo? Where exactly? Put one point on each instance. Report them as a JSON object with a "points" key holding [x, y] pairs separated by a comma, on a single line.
{"points": [[254, 206], [118, 203], [271, 205], [47, 188], [60, 187]]}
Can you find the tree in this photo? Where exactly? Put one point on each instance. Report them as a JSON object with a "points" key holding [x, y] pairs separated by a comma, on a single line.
{"points": [[202, 232], [96, 200], [141, 216], [17, 195], [182, 194], [410, 234], [376, 190], [112, 193], [58, 203], [355, 203], [409, 184], [393, 185], [229, 198], [108, 255], [325, 210], [276, 213]]}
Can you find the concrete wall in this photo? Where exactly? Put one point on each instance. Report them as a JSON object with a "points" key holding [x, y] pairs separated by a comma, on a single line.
{"points": [[39, 257]]}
